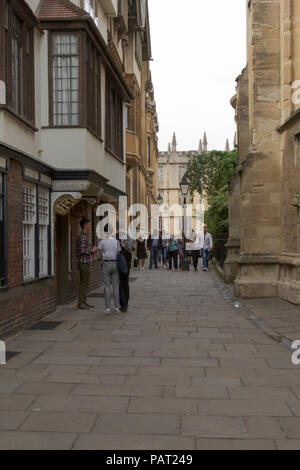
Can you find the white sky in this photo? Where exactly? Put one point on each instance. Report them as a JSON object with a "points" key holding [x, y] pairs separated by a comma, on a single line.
{"points": [[199, 49]]}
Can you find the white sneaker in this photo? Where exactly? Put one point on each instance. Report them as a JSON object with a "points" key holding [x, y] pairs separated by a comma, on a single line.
{"points": [[117, 311], [107, 311]]}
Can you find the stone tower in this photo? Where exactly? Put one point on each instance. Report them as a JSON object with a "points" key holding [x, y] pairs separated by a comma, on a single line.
{"points": [[174, 143], [205, 143]]}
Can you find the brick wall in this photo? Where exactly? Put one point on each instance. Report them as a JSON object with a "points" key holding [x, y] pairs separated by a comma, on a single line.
{"points": [[15, 227], [23, 304], [22, 311], [20, 305]]}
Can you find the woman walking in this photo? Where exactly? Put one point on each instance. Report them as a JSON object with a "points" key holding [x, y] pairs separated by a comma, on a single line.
{"points": [[141, 251]]}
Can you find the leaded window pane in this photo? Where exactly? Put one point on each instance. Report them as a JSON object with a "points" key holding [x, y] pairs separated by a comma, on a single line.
{"points": [[65, 74]]}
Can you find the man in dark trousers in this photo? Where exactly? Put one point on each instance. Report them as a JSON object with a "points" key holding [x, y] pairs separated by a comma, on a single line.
{"points": [[153, 245], [127, 247], [85, 257]]}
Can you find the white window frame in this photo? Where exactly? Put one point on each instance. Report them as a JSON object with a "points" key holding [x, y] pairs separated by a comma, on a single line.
{"points": [[43, 229], [29, 221]]}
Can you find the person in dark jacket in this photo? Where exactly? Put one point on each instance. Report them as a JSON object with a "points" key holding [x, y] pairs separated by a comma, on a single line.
{"points": [[173, 253], [127, 247], [153, 244]]}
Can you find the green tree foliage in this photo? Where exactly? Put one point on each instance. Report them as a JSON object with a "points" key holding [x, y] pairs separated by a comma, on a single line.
{"points": [[209, 174]]}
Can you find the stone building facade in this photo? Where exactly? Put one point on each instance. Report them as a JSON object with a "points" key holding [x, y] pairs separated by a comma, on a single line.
{"points": [[172, 166], [142, 122], [63, 105], [264, 246]]}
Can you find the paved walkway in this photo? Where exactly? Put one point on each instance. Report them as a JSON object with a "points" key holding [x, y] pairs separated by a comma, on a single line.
{"points": [[181, 370]]}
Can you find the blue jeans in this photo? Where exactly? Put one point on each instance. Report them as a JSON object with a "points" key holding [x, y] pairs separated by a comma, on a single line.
{"points": [[154, 256], [205, 255]]}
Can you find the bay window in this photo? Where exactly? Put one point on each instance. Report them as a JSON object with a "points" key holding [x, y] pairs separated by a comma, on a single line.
{"points": [[72, 65], [93, 69], [19, 60], [65, 79], [113, 120]]}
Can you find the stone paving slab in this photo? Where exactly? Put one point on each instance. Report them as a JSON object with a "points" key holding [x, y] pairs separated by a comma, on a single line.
{"points": [[130, 423], [133, 442], [42, 388], [80, 403], [235, 444], [12, 420], [182, 370], [257, 407], [59, 422], [215, 426], [36, 440], [288, 444]]}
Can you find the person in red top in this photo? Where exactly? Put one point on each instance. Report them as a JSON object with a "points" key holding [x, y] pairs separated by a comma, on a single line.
{"points": [[85, 257]]}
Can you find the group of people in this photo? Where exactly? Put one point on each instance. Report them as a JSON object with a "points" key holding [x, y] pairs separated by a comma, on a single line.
{"points": [[169, 251], [109, 249], [115, 250]]}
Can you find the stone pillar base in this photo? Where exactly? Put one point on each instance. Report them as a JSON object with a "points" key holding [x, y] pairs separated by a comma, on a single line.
{"points": [[248, 288], [231, 267], [257, 276], [289, 291]]}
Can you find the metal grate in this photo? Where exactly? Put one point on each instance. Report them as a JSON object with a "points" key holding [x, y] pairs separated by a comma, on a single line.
{"points": [[45, 325]]}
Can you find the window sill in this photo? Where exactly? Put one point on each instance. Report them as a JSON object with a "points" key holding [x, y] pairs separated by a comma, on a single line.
{"points": [[116, 156], [17, 116], [63, 127], [75, 127]]}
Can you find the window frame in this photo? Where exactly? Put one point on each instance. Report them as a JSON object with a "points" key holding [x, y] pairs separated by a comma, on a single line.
{"points": [[86, 104], [11, 9], [46, 226], [50, 76], [29, 230], [114, 119], [35, 249], [93, 61]]}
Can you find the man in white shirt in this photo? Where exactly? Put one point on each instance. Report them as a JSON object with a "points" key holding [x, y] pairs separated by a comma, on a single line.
{"points": [[195, 245], [109, 250], [207, 247]]}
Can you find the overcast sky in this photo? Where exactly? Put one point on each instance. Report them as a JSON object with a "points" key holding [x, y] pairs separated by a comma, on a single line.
{"points": [[199, 48]]}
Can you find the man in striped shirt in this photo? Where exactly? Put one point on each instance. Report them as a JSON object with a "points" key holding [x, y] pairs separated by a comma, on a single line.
{"points": [[85, 256]]}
